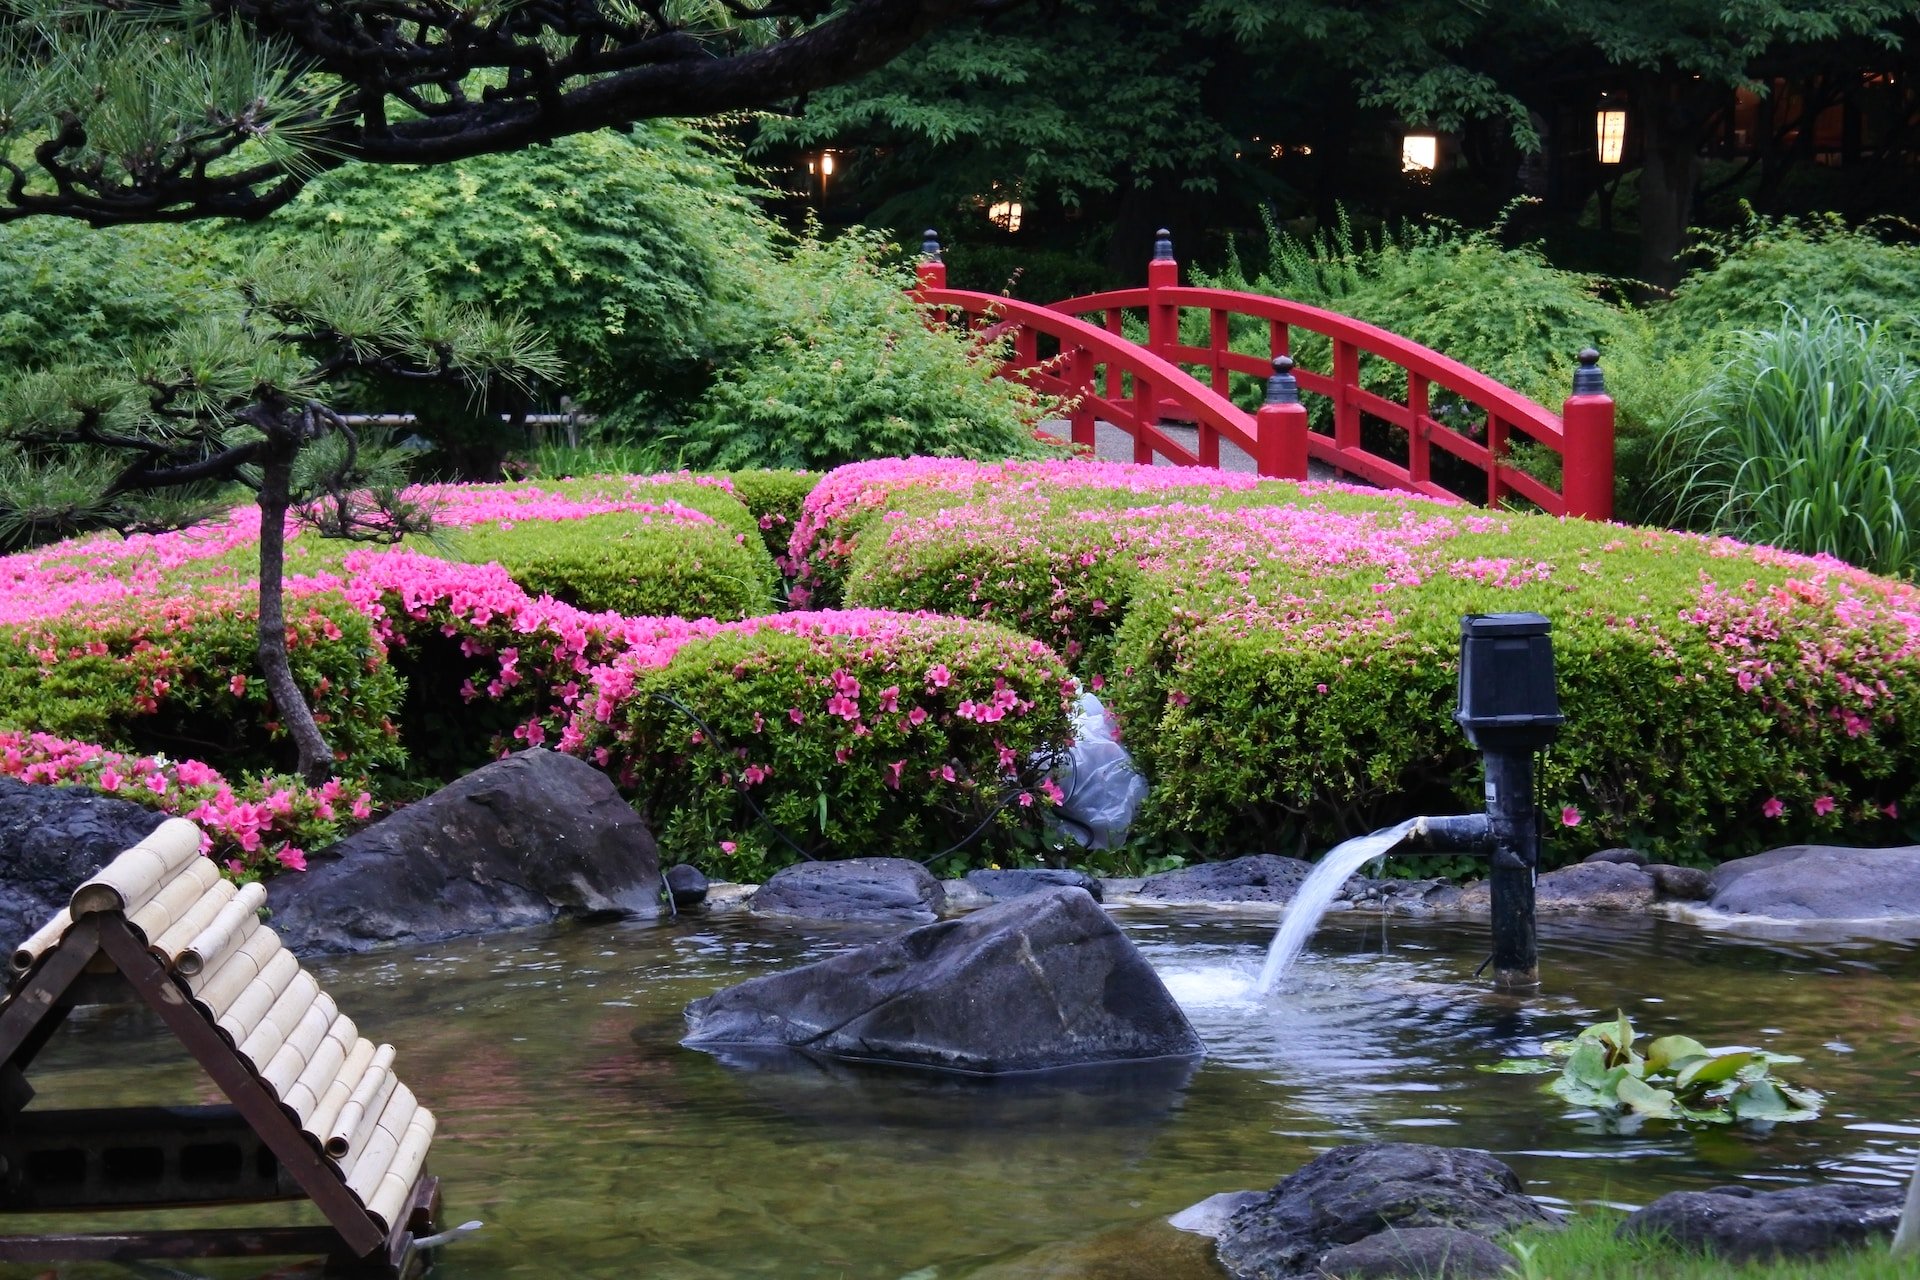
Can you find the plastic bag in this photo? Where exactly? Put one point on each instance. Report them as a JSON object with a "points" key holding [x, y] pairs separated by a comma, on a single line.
{"points": [[1103, 789]]}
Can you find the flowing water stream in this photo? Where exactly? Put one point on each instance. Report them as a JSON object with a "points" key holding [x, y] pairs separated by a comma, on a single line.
{"points": [[594, 1147], [1315, 894]]}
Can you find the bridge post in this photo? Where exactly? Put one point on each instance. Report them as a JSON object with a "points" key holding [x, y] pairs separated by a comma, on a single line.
{"points": [[930, 270], [1280, 426], [1587, 449], [1163, 319]]}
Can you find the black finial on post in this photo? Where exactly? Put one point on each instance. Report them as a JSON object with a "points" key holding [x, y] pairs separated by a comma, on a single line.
{"points": [[1587, 379], [930, 245], [1163, 245], [1283, 387]]}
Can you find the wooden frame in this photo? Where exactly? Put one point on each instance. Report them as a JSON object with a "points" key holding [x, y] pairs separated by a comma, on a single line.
{"points": [[102, 944]]}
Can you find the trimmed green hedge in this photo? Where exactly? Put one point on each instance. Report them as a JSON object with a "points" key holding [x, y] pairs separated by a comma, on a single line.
{"points": [[775, 498]]}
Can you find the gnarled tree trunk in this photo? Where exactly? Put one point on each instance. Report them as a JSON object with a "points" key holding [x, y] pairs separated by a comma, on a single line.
{"points": [[270, 651]]}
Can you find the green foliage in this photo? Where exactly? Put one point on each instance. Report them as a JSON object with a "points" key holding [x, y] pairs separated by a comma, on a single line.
{"points": [[1745, 276], [173, 678], [636, 565], [1677, 1078], [1592, 1247], [851, 369], [905, 765], [1806, 439], [632, 251], [79, 295], [774, 498]]}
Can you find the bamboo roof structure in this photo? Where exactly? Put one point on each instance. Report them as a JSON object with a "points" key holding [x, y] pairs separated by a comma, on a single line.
{"points": [[341, 1127]]}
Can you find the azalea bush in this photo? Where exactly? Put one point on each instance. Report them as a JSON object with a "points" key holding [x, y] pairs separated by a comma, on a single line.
{"points": [[775, 498], [1676, 1078], [259, 826], [1285, 671], [832, 735]]}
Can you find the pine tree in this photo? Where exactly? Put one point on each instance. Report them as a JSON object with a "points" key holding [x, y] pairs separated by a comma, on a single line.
{"points": [[240, 396]]}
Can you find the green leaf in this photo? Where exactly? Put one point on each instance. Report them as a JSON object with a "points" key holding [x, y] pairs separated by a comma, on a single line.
{"points": [[1714, 1070], [1657, 1104], [1587, 1064], [1669, 1050], [1521, 1067], [1762, 1101]]}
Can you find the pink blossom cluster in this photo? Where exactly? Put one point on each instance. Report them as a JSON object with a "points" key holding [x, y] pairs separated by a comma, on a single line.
{"points": [[254, 825], [463, 506]]}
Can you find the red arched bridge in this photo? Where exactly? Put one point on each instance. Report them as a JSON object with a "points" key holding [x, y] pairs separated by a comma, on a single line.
{"points": [[1444, 429]]}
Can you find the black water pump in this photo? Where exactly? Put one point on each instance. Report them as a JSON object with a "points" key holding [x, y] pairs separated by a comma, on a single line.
{"points": [[1509, 707]]}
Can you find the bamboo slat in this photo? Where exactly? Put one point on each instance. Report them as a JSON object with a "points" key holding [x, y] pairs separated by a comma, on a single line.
{"points": [[324, 1065], [396, 1184], [233, 926], [279, 1020], [383, 1139], [174, 899], [198, 915], [292, 1057], [334, 1096], [245, 1013], [126, 883], [357, 1120], [216, 989], [28, 953]]}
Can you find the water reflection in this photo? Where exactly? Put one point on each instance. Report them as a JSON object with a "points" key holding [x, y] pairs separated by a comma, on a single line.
{"points": [[594, 1146]]}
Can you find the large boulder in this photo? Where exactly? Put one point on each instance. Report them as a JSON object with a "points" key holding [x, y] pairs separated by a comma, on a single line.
{"points": [[1261, 877], [523, 841], [1821, 882], [877, 889], [51, 839], [1353, 1193], [1743, 1223], [1431, 1253], [1040, 982]]}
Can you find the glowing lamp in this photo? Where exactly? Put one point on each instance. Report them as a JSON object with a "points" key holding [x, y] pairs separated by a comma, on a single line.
{"points": [[1005, 214], [1419, 153], [1610, 132]]}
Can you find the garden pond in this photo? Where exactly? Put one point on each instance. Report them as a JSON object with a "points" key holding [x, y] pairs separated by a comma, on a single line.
{"points": [[592, 1145]]}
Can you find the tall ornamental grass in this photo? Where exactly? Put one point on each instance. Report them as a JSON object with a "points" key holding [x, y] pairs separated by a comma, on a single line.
{"points": [[1807, 438]]}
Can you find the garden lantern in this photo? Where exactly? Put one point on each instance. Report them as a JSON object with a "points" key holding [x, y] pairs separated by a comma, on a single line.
{"points": [[1610, 131], [1419, 153]]}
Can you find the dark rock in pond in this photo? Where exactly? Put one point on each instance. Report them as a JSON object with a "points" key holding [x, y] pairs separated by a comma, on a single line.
{"points": [[1821, 882], [687, 885], [1352, 1193], [1018, 883], [1040, 982], [1681, 884], [523, 841], [51, 839], [1426, 1253], [891, 889], [1626, 857], [1742, 1223], [1584, 886], [1262, 877], [1406, 897]]}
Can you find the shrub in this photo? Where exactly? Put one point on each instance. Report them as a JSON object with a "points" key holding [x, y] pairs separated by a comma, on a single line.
{"points": [[850, 368], [635, 564], [630, 247], [1745, 276], [854, 733], [175, 677], [263, 825], [775, 499], [1806, 438]]}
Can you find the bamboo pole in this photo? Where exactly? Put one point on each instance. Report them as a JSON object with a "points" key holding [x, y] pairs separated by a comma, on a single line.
{"points": [[280, 1019], [28, 953], [174, 899], [233, 926], [336, 1091], [215, 990], [396, 1184], [329, 1059], [383, 1140], [136, 875], [245, 1013], [355, 1123], [199, 914], [292, 1057]]}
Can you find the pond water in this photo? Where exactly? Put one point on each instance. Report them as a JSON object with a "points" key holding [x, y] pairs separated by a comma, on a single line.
{"points": [[592, 1145]]}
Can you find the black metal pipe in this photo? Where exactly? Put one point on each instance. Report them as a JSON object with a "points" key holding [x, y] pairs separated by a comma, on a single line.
{"points": [[1516, 858]]}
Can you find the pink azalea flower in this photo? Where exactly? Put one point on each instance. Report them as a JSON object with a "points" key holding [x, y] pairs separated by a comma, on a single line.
{"points": [[1773, 808], [237, 686], [728, 846], [1823, 806], [1569, 816]]}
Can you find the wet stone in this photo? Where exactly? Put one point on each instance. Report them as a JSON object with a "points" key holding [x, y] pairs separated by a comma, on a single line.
{"points": [[51, 839], [687, 885], [1262, 877], [882, 889], [1742, 1224], [1018, 883], [1430, 1253], [1821, 882]]}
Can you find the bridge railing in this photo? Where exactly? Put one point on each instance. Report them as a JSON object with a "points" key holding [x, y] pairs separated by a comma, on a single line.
{"points": [[1141, 387]]}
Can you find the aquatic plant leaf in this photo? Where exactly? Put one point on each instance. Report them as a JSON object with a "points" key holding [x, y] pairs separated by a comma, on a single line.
{"points": [[1642, 1097], [1762, 1101], [1557, 1048], [1710, 1071], [1663, 1053], [1587, 1064], [1617, 1036], [1808, 1100], [1581, 1095], [1521, 1067], [1704, 1115]]}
